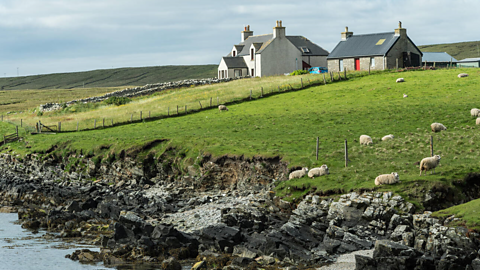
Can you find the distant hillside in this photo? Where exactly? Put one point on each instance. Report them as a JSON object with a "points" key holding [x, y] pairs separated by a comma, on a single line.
{"points": [[459, 50], [109, 77]]}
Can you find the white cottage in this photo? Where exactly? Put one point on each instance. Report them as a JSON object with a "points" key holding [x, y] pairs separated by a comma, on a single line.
{"points": [[271, 54]]}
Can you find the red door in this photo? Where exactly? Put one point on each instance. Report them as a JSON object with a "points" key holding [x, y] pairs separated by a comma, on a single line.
{"points": [[357, 63]]}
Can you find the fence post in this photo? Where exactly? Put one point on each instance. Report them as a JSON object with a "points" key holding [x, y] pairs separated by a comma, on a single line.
{"points": [[340, 76], [2, 117], [369, 69], [279, 88], [396, 64], [94, 123], [200, 105], [131, 118], [77, 125], [324, 80], [317, 149], [141, 118], [59, 126], [177, 109], [16, 130], [210, 102], [431, 145], [346, 154], [250, 94], [40, 126], [331, 76], [261, 93], [103, 123], [21, 122], [345, 73], [301, 82], [185, 109], [36, 127]]}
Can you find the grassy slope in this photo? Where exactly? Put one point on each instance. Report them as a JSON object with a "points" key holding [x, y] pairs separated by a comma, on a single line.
{"points": [[109, 77], [459, 50], [468, 214]]}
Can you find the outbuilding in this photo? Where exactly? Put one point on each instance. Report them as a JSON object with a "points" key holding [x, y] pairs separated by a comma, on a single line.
{"points": [[438, 59], [469, 62]]}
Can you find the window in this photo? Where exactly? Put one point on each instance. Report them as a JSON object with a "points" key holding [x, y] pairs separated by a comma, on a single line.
{"points": [[234, 53], [238, 73], [372, 62], [252, 52], [380, 41], [341, 65], [304, 49]]}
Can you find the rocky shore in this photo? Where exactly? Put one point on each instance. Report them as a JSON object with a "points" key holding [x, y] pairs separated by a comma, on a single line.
{"points": [[223, 215]]}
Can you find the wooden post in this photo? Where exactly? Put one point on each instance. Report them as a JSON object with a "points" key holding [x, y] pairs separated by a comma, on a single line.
{"points": [[317, 149], [21, 122], [77, 125], [59, 126], [261, 95], [200, 105], [331, 76], [16, 130], [210, 102], [279, 88], [324, 80], [131, 117], [103, 123], [434, 64], [339, 76], [396, 64], [148, 114], [94, 123], [431, 145], [2, 117], [368, 69], [36, 127], [345, 73], [301, 82], [40, 126], [177, 109], [141, 118], [250, 94], [346, 154], [185, 109]]}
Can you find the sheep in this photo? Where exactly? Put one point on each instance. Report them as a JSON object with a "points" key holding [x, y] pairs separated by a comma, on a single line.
{"points": [[400, 80], [387, 179], [405, 95], [322, 170], [298, 173], [222, 108], [429, 163], [478, 121], [475, 112], [437, 127], [461, 75], [365, 139], [388, 137]]}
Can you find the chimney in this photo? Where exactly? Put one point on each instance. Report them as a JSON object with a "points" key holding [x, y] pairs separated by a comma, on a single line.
{"points": [[346, 34], [400, 31], [246, 33], [279, 30]]}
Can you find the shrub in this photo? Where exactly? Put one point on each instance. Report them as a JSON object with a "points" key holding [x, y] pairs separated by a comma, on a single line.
{"points": [[117, 100], [299, 72]]}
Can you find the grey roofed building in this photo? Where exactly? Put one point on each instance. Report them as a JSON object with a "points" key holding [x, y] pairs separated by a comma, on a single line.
{"points": [[469, 62], [437, 57], [364, 45], [271, 54]]}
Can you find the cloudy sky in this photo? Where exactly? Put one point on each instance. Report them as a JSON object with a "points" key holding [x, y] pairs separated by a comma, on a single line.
{"points": [[53, 36]]}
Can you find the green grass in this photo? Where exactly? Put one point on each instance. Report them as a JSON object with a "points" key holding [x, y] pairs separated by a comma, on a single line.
{"points": [[467, 213], [459, 50], [287, 124], [109, 77]]}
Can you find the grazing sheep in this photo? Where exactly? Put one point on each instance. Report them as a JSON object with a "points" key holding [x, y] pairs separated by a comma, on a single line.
{"points": [[298, 173], [322, 170], [478, 121], [405, 95], [222, 108], [388, 137], [387, 179], [400, 80], [365, 139], [429, 163], [461, 75], [475, 112], [437, 127]]}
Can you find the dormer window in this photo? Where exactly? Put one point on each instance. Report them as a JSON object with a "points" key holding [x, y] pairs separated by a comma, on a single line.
{"points": [[234, 53], [252, 53]]}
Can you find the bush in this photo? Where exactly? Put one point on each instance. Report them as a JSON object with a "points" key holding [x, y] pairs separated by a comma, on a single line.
{"points": [[299, 72], [117, 100]]}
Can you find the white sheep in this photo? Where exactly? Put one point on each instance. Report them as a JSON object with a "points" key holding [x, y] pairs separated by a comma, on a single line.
{"points": [[322, 170], [461, 75], [405, 95], [222, 108], [478, 121], [475, 112], [400, 80], [298, 173], [387, 137], [437, 127], [365, 139], [387, 179], [429, 163]]}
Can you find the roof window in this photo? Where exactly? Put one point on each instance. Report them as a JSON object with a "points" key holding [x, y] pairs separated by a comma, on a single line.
{"points": [[305, 49], [380, 42]]}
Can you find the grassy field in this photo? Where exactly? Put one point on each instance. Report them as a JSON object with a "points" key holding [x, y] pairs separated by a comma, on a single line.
{"points": [[459, 50], [109, 77], [287, 125], [467, 214]]}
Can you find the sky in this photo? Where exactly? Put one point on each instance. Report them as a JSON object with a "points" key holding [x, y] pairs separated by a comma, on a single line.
{"points": [[56, 36]]}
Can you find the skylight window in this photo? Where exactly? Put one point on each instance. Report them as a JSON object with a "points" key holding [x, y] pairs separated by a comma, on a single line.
{"points": [[380, 42], [305, 49]]}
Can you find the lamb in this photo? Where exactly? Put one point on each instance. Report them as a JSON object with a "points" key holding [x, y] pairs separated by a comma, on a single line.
{"points": [[461, 75], [387, 179], [429, 163], [475, 112], [478, 121], [437, 127], [400, 80], [405, 95], [388, 137], [222, 108], [365, 139], [298, 173], [322, 170]]}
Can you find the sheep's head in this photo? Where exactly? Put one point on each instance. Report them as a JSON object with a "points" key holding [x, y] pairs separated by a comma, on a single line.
{"points": [[305, 169], [396, 175], [324, 166], [437, 157]]}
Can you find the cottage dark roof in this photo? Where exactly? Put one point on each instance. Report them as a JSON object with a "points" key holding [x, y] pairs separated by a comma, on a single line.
{"points": [[257, 46], [306, 46], [253, 39], [364, 45], [235, 62], [437, 57]]}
